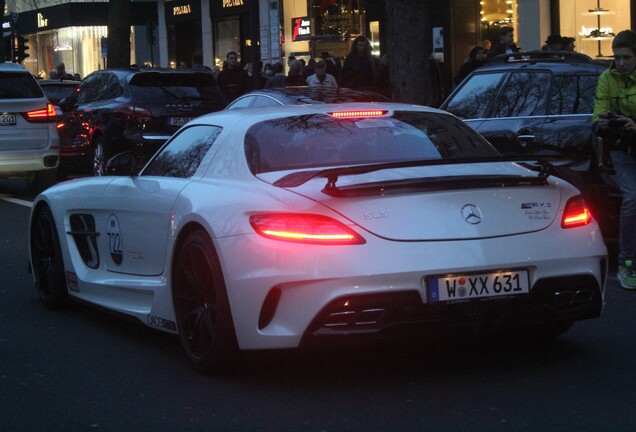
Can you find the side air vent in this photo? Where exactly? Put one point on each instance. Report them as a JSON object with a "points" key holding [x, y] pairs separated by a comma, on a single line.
{"points": [[85, 237]]}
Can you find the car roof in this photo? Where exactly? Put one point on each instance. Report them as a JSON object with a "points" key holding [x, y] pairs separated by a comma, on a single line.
{"points": [[61, 83], [560, 62], [12, 67], [306, 94], [254, 115]]}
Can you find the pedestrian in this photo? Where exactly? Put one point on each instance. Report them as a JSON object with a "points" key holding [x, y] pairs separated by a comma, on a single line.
{"points": [[268, 70], [333, 64], [358, 71], [197, 63], [295, 74], [321, 78], [476, 59], [441, 79], [62, 74], [569, 44], [233, 80], [506, 43], [613, 119], [278, 79], [258, 79], [553, 43]]}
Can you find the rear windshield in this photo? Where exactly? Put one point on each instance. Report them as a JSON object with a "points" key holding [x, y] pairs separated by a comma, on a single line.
{"points": [[55, 93], [19, 85], [320, 140], [156, 86]]}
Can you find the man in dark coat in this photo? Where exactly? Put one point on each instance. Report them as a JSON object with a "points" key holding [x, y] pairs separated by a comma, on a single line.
{"points": [[359, 69], [233, 80], [506, 43]]}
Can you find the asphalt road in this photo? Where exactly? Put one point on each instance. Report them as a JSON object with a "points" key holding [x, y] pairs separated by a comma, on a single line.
{"points": [[86, 370]]}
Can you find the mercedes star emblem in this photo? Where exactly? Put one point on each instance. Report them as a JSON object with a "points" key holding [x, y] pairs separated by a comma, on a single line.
{"points": [[471, 214]]}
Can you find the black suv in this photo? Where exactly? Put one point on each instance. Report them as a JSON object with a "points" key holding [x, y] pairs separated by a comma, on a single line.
{"points": [[136, 110], [541, 103]]}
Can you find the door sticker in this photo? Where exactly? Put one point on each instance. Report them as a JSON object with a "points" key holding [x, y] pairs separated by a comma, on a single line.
{"points": [[115, 245]]}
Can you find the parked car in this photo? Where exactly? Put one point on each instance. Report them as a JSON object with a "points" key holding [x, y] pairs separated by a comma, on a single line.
{"points": [[303, 95], [29, 142], [130, 109], [56, 90], [541, 103], [278, 227]]}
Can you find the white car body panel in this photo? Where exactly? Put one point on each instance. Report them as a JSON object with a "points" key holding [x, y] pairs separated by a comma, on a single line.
{"points": [[421, 235]]}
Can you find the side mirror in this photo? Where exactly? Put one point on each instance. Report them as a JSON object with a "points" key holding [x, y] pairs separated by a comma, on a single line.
{"points": [[122, 164], [69, 103]]}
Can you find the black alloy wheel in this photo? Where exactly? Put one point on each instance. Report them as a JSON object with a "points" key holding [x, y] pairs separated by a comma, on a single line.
{"points": [[201, 306], [48, 265]]}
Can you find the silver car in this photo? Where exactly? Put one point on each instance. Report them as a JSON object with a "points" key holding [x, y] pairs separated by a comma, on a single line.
{"points": [[29, 142]]}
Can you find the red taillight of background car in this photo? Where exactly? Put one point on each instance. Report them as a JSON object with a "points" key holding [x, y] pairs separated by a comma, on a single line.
{"points": [[304, 228], [44, 115], [576, 213], [133, 112]]}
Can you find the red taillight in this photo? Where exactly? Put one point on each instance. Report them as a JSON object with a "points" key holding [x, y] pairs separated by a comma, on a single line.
{"points": [[42, 115], [576, 213], [358, 114], [304, 228], [133, 112]]}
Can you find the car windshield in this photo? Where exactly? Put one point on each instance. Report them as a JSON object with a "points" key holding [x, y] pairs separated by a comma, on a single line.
{"points": [[321, 140], [17, 85]]}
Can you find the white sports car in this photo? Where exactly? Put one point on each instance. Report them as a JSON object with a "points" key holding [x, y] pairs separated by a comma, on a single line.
{"points": [[272, 228]]}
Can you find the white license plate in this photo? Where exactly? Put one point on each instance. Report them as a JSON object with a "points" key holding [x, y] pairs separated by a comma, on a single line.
{"points": [[178, 121], [476, 286], [7, 119]]}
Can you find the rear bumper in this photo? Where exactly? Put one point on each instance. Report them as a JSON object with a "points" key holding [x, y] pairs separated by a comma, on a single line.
{"points": [[556, 299], [21, 163]]}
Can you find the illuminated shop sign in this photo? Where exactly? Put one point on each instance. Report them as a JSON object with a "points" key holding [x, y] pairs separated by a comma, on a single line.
{"points": [[301, 29], [42, 22], [232, 3], [181, 10]]}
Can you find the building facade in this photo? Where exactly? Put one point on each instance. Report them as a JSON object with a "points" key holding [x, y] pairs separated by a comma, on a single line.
{"points": [[167, 33]]}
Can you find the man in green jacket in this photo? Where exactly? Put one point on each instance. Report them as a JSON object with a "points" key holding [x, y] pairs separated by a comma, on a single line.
{"points": [[613, 119]]}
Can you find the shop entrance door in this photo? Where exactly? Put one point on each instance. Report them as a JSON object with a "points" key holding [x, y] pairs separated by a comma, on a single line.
{"points": [[228, 38]]}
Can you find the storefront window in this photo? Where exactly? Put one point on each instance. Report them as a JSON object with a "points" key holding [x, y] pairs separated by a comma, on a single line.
{"points": [[336, 22], [496, 14], [594, 23], [228, 38]]}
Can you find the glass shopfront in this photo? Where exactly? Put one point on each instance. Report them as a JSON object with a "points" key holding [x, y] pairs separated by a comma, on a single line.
{"points": [[79, 48], [235, 24], [594, 23]]}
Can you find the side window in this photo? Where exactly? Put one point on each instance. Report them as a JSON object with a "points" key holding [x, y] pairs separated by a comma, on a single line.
{"points": [[109, 87], [573, 94], [474, 97], [88, 89], [264, 101], [184, 153], [241, 103], [525, 94]]}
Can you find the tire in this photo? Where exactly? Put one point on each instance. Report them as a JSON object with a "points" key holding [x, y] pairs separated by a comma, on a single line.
{"points": [[99, 157], [202, 310], [41, 180], [48, 264]]}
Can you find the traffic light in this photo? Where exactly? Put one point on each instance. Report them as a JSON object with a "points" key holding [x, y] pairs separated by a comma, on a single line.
{"points": [[5, 49], [20, 52]]}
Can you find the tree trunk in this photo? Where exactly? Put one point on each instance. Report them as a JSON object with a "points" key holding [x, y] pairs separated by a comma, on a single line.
{"points": [[118, 33], [409, 41]]}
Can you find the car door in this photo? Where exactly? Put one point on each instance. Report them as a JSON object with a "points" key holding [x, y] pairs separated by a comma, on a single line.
{"points": [[567, 129], [138, 209], [472, 101], [516, 120]]}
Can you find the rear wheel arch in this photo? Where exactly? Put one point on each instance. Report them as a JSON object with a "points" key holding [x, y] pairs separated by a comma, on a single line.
{"points": [[202, 311]]}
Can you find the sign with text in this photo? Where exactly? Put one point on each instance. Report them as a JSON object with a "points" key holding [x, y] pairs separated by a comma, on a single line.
{"points": [[301, 29]]}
